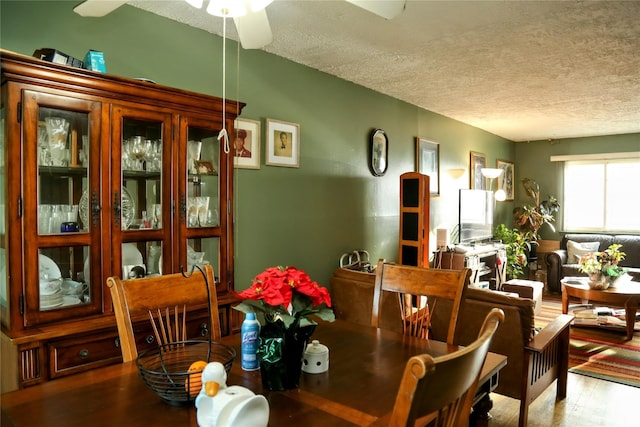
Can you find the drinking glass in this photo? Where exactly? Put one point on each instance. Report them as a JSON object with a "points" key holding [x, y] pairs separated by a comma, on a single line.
{"points": [[44, 219], [202, 206], [193, 150], [156, 215], [57, 131], [192, 212]]}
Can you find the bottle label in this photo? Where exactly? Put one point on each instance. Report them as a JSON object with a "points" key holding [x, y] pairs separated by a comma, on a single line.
{"points": [[249, 337]]}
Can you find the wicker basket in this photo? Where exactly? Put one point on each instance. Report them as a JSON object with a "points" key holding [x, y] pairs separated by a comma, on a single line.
{"points": [[165, 369]]}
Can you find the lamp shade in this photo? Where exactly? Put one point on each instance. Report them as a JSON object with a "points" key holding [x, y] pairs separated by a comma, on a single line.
{"points": [[500, 195], [491, 173]]}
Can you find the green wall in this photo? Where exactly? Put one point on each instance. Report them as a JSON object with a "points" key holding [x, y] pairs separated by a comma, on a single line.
{"points": [[309, 216]]}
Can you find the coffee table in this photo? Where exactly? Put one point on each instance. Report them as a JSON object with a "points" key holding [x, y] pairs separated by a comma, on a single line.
{"points": [[625, 295]]}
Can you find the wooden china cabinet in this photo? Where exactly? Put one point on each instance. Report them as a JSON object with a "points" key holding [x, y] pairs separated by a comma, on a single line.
{"points": [[102, 176]]}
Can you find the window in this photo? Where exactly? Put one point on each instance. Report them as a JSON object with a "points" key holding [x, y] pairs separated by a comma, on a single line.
{"points": [[602, 195]]}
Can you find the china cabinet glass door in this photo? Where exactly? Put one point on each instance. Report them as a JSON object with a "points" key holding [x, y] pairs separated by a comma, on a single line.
{"points": [[61, 162], [142, 208], [202, 214]]}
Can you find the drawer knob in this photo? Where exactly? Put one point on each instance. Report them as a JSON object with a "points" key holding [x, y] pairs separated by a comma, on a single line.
{"points": [[204, 329], [150, 339], [83, 353]]}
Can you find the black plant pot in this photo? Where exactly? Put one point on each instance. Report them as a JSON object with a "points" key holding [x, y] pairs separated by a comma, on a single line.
{"points": [[280, 352], [533, 251]]}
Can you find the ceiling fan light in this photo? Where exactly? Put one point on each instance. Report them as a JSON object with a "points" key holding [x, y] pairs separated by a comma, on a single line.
{"points": [[195, 3], [491, 173], [226, 8]]}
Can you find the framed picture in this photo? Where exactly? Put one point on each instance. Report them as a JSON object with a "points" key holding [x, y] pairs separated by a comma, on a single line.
{"points": [[428, 162], [477, 161], [283, 144], [246, 144], [505, 180], [205, 168]]}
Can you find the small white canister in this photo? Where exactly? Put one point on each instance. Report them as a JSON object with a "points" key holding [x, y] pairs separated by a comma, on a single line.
{"points": [[316, 358]]}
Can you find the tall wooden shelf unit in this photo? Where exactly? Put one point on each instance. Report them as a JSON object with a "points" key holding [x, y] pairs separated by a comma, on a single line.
{"points": [[414, 220], [153, 189]]}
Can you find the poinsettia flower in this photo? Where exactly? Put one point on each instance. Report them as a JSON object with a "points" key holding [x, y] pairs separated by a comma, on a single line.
{"points": [[317, 293], [286, 293]]}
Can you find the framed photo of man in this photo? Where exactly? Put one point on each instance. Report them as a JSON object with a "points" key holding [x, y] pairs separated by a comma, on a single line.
{"points": [[283, 144], [505, 180], [246, 144]]}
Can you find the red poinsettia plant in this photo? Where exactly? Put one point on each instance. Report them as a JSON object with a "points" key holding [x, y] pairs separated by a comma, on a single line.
{"points": [[287, 294]]}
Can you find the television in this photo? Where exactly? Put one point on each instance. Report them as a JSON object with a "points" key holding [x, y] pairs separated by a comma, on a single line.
{"points": [[476, 215]]}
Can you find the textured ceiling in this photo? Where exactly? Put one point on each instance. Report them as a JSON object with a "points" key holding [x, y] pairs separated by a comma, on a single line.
{"points": [[522, 70]]}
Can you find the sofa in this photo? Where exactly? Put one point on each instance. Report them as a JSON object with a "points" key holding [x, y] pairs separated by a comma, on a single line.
{"points": [[564, 261], [535, 359]]}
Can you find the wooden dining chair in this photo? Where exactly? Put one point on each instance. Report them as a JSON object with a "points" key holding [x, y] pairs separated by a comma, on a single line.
{"points": [[418, 291], [440, 390], [165, 301]]}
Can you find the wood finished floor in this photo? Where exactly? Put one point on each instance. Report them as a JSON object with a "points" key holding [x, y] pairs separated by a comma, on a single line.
{"points": [[589, 402]]}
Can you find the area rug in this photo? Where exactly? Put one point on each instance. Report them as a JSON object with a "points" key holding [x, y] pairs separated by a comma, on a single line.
{"points": [[598, 352]]}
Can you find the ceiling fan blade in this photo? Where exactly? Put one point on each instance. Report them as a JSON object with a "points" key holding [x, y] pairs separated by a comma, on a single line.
{"points": [[254, 30], [388, 9], [97, 8]]}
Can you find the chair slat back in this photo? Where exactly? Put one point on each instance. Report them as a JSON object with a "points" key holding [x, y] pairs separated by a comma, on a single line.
{"points": [[418, 290], [441, 389], [165, 300]]}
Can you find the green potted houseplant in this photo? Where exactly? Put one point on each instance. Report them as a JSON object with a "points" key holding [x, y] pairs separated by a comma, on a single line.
{"points": [[516, 247], [528, 219], [531, 217]]}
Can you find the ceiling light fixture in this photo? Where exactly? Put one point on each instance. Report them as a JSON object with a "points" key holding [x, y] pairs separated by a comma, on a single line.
{"points": [[232, 8], [226, 8]]}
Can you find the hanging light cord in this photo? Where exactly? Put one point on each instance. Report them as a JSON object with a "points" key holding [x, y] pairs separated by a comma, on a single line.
{"points": [[223, 132]]}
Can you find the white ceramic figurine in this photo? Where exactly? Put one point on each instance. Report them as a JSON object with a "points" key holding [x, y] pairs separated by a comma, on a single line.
{"points": [[233, 406]]}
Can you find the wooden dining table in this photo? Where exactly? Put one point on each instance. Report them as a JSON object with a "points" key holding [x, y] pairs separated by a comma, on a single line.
{"points": [[359, 389]]}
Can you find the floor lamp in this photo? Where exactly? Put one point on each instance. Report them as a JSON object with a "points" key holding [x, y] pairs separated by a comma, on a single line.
{"points": [[491, 174]]}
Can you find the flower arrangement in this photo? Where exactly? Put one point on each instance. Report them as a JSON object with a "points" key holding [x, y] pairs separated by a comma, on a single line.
{"points": [[604, 262], [287, 294]]}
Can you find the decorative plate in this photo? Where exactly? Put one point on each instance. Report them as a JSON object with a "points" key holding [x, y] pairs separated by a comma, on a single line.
{"points": [[128, 209], [49, 267]]}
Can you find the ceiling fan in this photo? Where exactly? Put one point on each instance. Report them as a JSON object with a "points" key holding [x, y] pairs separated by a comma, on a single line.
{"points": [[249, 16]]}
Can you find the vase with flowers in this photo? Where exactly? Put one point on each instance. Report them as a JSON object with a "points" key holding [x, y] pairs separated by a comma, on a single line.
{"points": [[602, 267], [283, 298]]}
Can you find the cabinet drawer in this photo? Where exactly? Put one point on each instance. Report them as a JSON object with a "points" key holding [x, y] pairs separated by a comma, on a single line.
{"points": [[79, 354], [197, 328]]}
